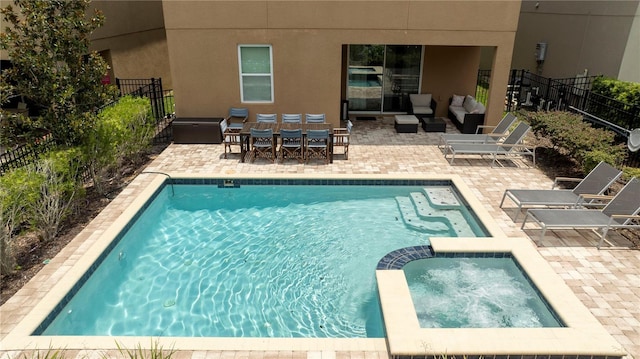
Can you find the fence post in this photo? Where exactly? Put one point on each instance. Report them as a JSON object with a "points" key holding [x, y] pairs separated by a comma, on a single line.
{"points": [[161, 97], [152, 98], [118, 85]]}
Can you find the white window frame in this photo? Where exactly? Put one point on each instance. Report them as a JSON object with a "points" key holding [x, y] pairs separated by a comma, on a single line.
{"points": [[242, 76]]}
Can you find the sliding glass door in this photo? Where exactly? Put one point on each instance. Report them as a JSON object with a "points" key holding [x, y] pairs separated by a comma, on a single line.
{"points": [[381, 77]]}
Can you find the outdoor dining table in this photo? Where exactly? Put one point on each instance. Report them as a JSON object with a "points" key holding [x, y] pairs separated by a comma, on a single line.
{"points": [[245, 133]]}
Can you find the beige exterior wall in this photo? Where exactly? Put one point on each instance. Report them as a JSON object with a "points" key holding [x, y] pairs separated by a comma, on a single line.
{"points": [[630, 67], [592, 35], [134, 38], [308, 37]]}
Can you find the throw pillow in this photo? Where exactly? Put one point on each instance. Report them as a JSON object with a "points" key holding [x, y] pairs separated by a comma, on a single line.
{"points": [[457, 100], [469, 104], [468, 98], [479, 108]]}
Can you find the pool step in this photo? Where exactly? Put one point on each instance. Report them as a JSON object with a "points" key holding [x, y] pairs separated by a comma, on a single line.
{"points": [[418, 213], [441, 197], [412, 220]]}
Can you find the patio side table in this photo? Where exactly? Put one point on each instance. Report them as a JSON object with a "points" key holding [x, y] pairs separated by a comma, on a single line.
{"points": [[436, 124]]}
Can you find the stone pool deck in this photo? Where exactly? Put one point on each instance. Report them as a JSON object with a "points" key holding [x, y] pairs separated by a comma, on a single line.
{"points": [[607, 281]]}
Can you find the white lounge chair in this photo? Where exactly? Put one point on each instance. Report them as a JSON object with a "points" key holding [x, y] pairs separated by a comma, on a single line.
{"points": [[595, 183], [620, 212], [499, 131], [512, 145]]}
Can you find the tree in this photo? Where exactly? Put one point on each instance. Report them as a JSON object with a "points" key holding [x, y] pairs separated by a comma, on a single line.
{"points": [[48, 44]]}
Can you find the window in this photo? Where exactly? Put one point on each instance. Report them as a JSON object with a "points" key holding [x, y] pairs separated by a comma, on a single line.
{"points": [[256, 73]]}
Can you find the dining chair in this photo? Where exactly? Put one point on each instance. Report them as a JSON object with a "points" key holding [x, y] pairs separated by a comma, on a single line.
{"points": [[266, 118], [262, 144], [230, 137], [291, 144], [291, 118], [317, 145], [314, 118]]}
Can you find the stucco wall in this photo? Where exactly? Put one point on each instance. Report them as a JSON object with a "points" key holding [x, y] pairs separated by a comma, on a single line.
{"points": [[307, 39], [630, 66], [134, 36], [580, 35]]}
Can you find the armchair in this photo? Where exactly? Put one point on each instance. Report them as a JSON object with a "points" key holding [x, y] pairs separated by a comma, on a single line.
{"points": [[422, 105]]}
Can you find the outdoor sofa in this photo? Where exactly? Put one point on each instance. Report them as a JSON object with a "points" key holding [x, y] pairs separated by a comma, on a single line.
{"points": [[466, 113]]}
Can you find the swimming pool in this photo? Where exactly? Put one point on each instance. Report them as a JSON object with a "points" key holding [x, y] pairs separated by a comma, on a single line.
{"points": [[403, 335], [259, 259]]}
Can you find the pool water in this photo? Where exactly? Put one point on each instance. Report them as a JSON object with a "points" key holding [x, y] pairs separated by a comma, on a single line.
{"points": [[255, 261], [364, 83], [475, 293]]}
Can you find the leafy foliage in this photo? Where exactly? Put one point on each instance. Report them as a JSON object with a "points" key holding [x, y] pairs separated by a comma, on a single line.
{"points": [[615, 101], [18, 191], [630, 172], [584, 143], [627, 92], [38, 197], [123, 132], [156, 351], [59, 190], [48, 44]]}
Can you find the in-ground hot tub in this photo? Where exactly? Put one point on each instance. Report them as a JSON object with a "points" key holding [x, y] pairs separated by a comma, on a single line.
{"points": [[576, 332]]}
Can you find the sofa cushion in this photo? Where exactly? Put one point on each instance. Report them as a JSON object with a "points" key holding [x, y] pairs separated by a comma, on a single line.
{"points": [[478, 109], [457, 100], [422, 110], [420, 100], [459, 112], [469, 104]]}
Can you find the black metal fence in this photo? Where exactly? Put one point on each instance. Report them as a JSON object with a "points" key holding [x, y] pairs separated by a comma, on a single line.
{"points": [[25, 154], [162, 103], [530, 91], [162, 107]]}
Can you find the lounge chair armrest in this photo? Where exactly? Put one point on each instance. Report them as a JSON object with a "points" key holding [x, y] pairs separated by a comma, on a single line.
{"points": [[340, 131], [518, 145], [596, 196], [593, 200], [626, 224], [625, 216], [495, 135], [564, 179], [483, 126]]}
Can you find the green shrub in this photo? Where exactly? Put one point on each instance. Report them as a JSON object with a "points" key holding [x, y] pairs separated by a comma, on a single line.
{"points": [[129, 124], [123, 132], [38, 197], [60, 189], [627, 96], [630, 172], [627, 92], [18, 191], [592, 158], [585, 144]]}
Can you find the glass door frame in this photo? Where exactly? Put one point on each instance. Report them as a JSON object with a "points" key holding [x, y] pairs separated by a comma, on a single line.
{"points": [[380, 110]]}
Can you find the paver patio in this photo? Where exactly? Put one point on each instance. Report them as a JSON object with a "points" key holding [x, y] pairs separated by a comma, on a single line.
{"points": [[607, 281]]}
